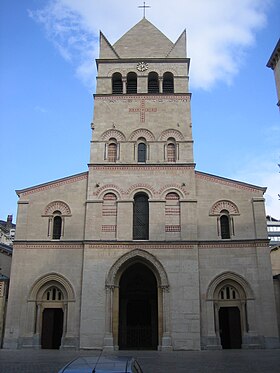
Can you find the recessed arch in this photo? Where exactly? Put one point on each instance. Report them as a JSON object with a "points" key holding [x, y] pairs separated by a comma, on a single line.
{"points": [[45, 281], [60, 206], [141, 188], [134, 256], [109, 188], [224, 205], [142, 132], [165, 135], [113, 133], [219, 281], [172, 189]]}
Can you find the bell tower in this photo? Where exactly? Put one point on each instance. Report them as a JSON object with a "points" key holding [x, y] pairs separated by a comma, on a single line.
{"points": [[142, 132]]}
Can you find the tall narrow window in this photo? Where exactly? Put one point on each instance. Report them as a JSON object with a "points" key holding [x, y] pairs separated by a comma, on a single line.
{"points": [[117, 84], [131, 85], [141, 217], [168, 83], [142, 152], [153, 83], [171, 152], [225, 224], [112, 151], [57, 225]]}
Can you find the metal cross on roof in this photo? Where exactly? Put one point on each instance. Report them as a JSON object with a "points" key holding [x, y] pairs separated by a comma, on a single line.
{"points": [[144, 8]]}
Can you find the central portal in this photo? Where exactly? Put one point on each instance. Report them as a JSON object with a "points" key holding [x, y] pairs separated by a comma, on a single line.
{"points": [[138, 309]]}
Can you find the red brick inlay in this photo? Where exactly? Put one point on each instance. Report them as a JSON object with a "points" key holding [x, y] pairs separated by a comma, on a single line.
{"points": [[142, 110], [173, 228], [109, 228]]}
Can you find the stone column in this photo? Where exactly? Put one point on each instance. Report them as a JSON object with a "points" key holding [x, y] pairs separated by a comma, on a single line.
{"points": [[166, 343], [124, 85], [108, 344], [160, 80], [212, 342], [36, 338], [250, 337]]}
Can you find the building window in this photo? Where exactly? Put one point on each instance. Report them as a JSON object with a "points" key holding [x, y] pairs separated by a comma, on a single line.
{"points": [[112, 150], [168, 83], [141, 217], [131, 84], [153, 82], [57, 225], [53, 294], [142, 152], [117, 84], [171, 150], [225, 224]]}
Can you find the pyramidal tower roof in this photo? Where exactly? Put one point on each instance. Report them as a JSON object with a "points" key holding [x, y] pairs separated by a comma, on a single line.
{"points": [[144, 40]]}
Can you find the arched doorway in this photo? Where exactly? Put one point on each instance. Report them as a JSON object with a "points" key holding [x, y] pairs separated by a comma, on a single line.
{"points": [[52, 318], [52, 328], [138, 308]]}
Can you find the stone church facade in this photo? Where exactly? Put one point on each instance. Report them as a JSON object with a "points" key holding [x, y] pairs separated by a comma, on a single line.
{"points": [[142, 251]]}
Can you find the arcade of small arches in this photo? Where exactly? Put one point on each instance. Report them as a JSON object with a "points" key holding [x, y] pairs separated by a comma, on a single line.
{"points": [[141, 139], [141, 150], [137, 307], [141, 196], [155, 83]]}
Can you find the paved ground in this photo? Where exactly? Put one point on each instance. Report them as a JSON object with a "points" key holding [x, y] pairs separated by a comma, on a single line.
{"points": [[226, 361]]}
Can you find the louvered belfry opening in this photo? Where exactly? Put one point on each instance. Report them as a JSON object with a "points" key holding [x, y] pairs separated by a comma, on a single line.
{"points": [[117, 84], [153, 83], [131, 85], [168, 83], [141, 217]]}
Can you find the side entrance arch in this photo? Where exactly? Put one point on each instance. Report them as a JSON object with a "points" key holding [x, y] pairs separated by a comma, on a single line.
{"points": [[228, 296], [137, 303], [50, 298]]}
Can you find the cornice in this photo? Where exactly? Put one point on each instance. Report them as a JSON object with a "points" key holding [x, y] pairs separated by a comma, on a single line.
{"points": [[163, 60], [52, 184], [141, 96], [229, 182], [145, 245], [140, 167]]}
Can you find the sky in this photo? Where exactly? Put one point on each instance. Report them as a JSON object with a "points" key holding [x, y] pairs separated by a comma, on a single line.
{"points": [[48, 75]]}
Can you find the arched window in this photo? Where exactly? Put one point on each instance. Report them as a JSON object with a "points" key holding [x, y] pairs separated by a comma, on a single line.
{"points": [[168, 83], [171, 150], [229, 292], [57, 225], [225, 224], [131, 84], [142, 151], [112, 150], [53, 294], [117, 84], [153, 82], [109, 216], [141, 217]]}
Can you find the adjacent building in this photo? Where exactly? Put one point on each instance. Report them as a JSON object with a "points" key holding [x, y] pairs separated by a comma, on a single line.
{"points": [[142, 251], [274, 64]]}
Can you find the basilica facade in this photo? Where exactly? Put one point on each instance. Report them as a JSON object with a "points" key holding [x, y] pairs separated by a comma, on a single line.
{"points": [[142, 251]]}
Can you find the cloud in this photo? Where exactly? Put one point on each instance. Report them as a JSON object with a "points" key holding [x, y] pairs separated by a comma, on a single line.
{"points": [[40, 109], [219, 31]]}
